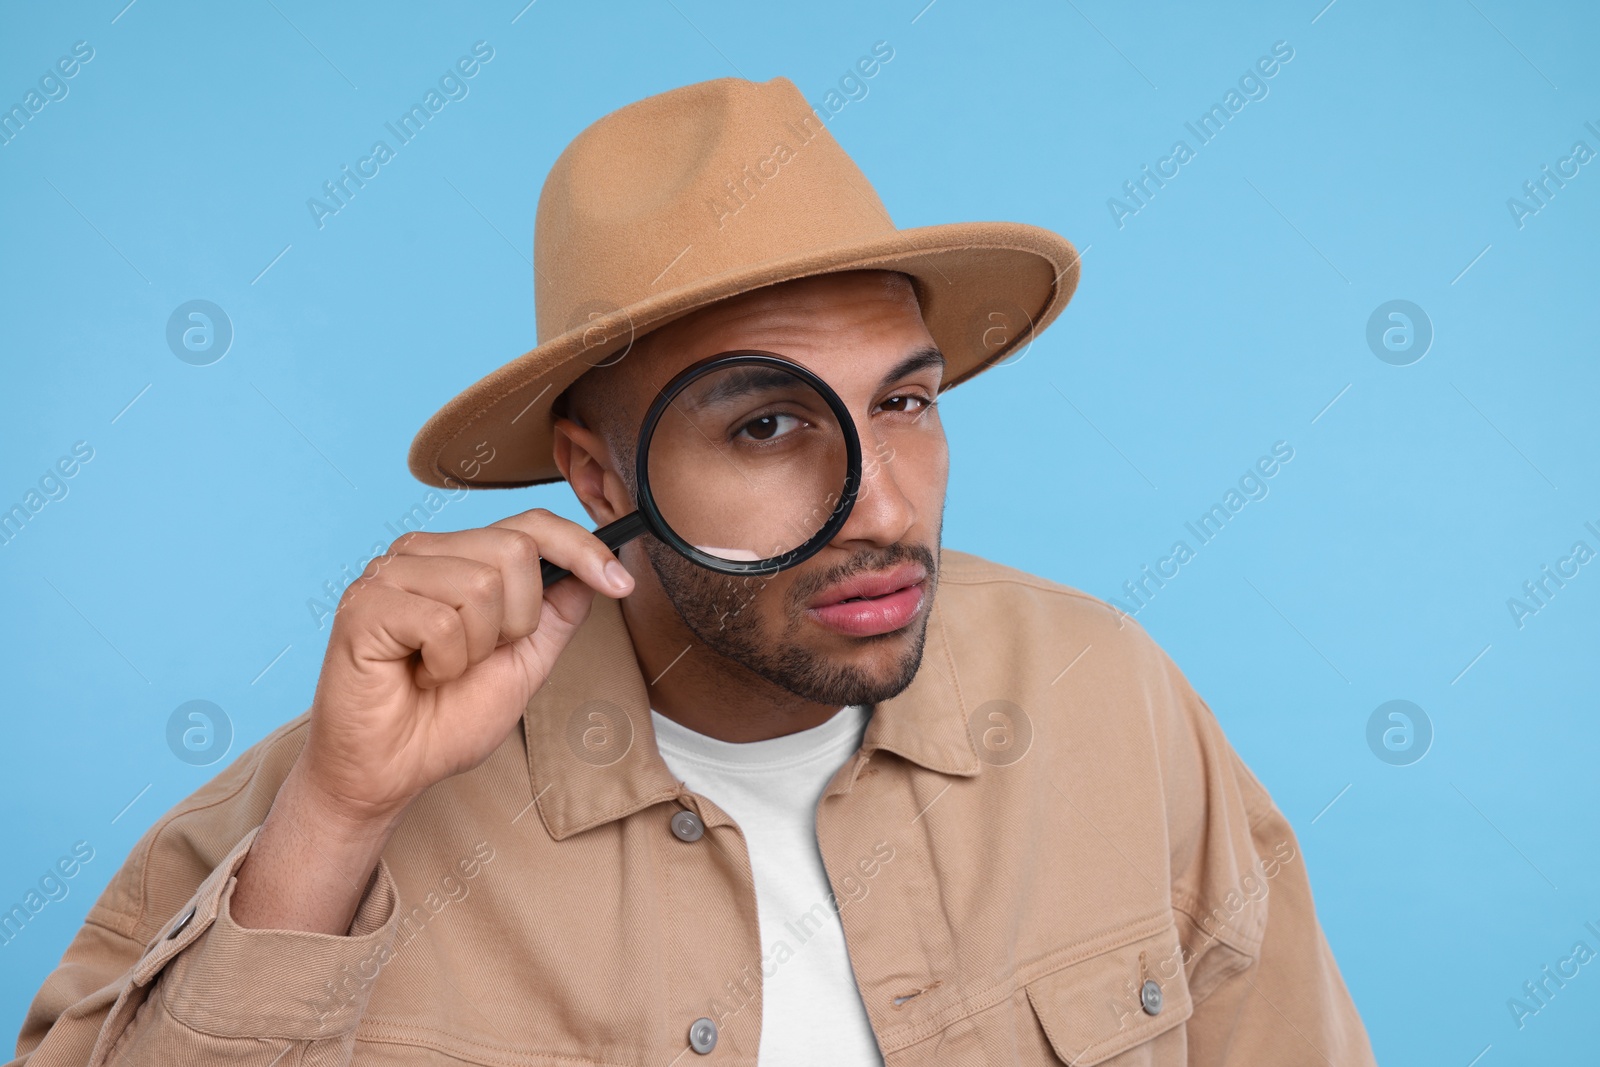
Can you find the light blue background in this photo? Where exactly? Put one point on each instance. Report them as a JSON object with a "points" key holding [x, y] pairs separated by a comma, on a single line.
{"points": [[1228, 314]]}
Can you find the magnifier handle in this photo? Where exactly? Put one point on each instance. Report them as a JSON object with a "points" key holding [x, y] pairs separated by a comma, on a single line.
{"points": [[549, 573], [613, 534]]}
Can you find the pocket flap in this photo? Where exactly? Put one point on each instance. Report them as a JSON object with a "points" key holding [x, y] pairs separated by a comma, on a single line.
{"points": [[1095, 1008]]}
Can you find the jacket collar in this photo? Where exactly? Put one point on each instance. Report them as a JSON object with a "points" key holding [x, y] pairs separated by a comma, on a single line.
{"points": [[592, 754]]}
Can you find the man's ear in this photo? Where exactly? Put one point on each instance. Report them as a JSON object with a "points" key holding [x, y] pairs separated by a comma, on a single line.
{"points": [[585, 462]]}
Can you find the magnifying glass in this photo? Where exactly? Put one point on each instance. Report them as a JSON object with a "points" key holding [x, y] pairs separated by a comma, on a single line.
{"points": [[748, 463]]}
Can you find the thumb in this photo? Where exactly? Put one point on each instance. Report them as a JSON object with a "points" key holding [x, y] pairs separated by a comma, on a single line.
{"points": [[530, 659]]}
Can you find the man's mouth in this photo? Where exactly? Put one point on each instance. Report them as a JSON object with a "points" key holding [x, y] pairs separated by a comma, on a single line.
{"points": [[865, 605]]}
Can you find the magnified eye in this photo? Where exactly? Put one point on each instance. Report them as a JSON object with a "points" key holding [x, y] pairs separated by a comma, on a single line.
{"points": [[768, 427]]}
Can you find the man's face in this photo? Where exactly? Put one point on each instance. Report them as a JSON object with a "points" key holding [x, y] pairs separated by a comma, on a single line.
{"points": [[846, 626]]}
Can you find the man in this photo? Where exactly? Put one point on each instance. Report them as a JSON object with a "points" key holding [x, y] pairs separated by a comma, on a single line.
{"points": [[891, 805]]}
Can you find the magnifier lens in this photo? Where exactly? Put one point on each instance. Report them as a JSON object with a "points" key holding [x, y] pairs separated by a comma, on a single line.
{"points": [[747, 462]]}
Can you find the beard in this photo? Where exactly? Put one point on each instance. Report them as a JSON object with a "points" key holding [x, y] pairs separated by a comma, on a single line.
{"points": [[716, 609]]}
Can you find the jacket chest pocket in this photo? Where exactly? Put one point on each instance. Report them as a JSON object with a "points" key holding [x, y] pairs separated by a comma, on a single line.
{"points": [[1121, 1007]]}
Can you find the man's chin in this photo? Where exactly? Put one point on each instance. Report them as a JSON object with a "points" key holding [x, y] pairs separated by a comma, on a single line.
{"points": [[848, 670]]}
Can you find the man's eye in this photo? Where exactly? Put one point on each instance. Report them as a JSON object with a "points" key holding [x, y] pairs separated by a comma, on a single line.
{"points": [[768, 427], [909, 402]]}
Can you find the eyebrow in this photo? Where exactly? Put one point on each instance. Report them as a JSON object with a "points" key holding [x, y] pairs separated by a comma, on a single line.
{"points": [[748, 379], [924, 357], [738, 383]]}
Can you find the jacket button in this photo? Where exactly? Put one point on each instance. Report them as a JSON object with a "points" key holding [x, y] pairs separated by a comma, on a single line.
{"points": [[178, 926], [702, 1035], [686, 826], [1150, 997]]}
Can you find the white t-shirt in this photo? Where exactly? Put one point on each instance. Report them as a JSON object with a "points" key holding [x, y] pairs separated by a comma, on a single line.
{"points": [[811, 1009]]}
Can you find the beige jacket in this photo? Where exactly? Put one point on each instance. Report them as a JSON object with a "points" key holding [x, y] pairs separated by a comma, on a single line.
{"points": [[1045, 851]]}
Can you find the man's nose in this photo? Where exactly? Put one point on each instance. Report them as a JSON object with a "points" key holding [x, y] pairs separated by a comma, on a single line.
{"points": [[883, 513]]}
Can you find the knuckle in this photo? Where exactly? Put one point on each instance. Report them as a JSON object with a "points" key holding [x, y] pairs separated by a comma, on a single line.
{"points": [[373, 568], [442, 624], [485, 583], [522, 550], [411, 539]]}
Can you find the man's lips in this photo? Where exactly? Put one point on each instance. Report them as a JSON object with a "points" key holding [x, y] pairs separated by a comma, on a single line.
{"points": [[868, 604]]}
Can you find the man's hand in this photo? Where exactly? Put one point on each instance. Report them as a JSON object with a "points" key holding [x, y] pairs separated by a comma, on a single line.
{"points": [[435, 652]]}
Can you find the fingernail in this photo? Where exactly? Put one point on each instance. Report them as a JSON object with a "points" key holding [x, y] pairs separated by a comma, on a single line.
{"points": [[618, 576]]}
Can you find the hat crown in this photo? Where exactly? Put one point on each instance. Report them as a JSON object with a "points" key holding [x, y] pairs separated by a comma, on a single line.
{"points": [[686, 185]]}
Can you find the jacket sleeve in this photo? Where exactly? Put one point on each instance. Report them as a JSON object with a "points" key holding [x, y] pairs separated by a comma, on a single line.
{"points": [[161, 974], [1290, 1004], [1262, 977]]}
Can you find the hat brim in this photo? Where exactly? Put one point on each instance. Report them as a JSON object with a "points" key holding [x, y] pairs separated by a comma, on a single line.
{"points": [[986, 289]]}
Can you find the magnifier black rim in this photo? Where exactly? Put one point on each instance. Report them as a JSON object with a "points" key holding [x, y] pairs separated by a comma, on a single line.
{"points": [[664, 532]]}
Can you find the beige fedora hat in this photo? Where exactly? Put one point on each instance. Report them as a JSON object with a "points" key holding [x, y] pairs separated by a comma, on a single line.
{"points": [[705, 192]]}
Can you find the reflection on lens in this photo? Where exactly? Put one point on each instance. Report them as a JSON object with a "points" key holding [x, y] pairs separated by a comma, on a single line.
{"points": [[747, 462]]}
